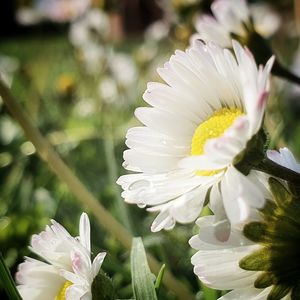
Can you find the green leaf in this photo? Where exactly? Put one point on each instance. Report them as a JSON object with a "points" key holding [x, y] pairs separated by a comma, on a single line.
{"points": [[208, 293], [159, 278], [295, 293], [142, 278], [257, 261], [280, 193], [7, 281], [278, 292], [264, 280], [255, 231]]}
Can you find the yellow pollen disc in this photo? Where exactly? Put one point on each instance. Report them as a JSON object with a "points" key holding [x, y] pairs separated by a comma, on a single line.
{"points": [[213, 127], [62, 292]]}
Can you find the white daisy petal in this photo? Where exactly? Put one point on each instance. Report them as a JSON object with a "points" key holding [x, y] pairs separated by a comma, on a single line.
{"points": [[84, 231], [239, 196], [216, 262], [165, 122], [284, 158], [247, 293], [76, 292], [162, 221], [97, 262]]}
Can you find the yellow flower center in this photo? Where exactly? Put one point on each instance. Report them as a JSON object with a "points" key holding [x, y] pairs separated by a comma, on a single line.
{"points": [[62, 292], [213, 127]]}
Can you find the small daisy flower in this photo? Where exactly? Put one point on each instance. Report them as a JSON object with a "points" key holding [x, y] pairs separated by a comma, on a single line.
{"points": [[262, 261], [234, 19], [198, 127], [92, 27], [69, 271]]}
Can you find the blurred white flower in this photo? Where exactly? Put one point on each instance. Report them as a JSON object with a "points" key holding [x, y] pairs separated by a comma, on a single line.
{"points": [[203, 117], [266, 21], [68, 273], [285, 158], [232, 19], [123, 69], [88, 34], [85, 107], [54, 10], [108, 90], [93, 57], [93, 27], [157, 31]]}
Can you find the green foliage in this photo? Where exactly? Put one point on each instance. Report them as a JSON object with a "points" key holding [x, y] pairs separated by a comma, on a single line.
{"points": [[142, 278], [159, 278], [7, 281]]}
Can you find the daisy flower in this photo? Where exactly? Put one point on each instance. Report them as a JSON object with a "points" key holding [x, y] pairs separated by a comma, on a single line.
{"points": [[198, 127], [69, 271], [262, 261], [235, 19]]}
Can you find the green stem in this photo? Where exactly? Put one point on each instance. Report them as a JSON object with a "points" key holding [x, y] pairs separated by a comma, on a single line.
{"points": [[109, 149], [270, 167], [7, 281], [280, 71], [87, 200]]}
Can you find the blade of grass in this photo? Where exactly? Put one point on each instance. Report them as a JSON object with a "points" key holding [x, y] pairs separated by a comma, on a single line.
{"points": [[159, 278], [209, 294], [109, 150], [142, 283], [87, 200], [7, 281]]}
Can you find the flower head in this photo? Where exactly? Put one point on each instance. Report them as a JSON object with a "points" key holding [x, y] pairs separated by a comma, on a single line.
{"points": [[198, 127], [69, 271], [234, 19], [260, 262]]}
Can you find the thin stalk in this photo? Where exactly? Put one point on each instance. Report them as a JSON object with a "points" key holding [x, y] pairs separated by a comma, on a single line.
{"points": [[280, 71], [270, 167], [109, 150], [86, 199]]}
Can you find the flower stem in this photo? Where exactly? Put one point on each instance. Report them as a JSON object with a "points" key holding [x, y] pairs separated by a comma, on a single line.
{"points": [[283, 72], [270, 167], [109, 150], [103, 217]]}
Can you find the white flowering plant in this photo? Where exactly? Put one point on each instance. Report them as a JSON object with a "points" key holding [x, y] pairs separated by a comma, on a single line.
{"points": [[204, 205]]}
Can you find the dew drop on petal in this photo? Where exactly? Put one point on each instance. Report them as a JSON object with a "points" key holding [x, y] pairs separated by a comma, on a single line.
{"points": [[139, 184], [164, 142], [141, 205]]}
